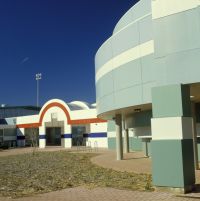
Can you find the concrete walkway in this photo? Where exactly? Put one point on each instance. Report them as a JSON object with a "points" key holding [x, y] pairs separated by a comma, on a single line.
{"points": [[133, 162]]}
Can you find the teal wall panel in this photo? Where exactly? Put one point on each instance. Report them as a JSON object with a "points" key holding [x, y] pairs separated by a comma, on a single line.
{"points": [[177, 28], [198, 148], [111, 143], [171, 101], [176, 67], [124, 40], [111, 125], [148, 148], [127, 75], [173, 163], [144, 25], [146, 91], [142, 119], [106, 103], [128, 96], [105, 86], [135, 144], [103, 55], [148, 68]]}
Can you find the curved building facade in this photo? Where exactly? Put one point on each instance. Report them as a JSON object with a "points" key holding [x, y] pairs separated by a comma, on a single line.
{"points": [[148, 85], [155, 43]]}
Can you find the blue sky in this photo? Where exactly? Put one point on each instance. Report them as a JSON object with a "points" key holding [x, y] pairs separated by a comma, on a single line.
{"points": [[58, 38]]}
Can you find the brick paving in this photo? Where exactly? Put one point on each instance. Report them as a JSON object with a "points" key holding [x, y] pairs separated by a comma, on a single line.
{"points": [[133, 162], [101, 194]]}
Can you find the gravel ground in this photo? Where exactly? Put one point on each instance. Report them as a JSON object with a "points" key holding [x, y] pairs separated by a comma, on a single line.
{"points": [[40, 172]]}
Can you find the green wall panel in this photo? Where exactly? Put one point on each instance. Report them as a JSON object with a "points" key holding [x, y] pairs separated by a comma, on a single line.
{"points": [[111, 126], [142, 119], [173, 163], [112, 143], [148, 147], [198, 147], [135, 144], [171, 101]]}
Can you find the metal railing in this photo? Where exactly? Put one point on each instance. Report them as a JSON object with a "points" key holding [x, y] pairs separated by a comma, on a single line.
{"points": [[87, 146]]}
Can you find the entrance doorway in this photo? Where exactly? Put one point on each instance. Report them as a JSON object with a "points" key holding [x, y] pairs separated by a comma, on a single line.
{"points": [[53, 136], [77, 136]]}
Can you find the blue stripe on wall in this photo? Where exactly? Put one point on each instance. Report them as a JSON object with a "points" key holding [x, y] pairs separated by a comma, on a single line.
{"points": [[42, 137], [21, 137], [95, 135], [66, 136], [85, 135]]}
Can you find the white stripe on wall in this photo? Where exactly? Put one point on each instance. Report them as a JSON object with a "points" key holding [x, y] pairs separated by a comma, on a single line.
{"points": [[163, 8], [111, 134], [125, 57], [171, 128]]}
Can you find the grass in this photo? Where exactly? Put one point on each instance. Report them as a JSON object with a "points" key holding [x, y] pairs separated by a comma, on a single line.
{"points": [[28, 174]]}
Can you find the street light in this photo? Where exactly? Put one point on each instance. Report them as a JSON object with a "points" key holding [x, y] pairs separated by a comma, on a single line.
{"points": [[38, 77]]}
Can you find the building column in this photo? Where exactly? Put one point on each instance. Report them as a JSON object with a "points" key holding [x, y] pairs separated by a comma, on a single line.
{"points": [[196, 161], [119, 146], [146, 145], [20, 137], [126, 141], [42, 137], [66, 137], [172, 143]]}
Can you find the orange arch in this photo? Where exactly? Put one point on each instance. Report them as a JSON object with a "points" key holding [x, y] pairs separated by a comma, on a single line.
{"points": [[55, 104], [69, 121]]}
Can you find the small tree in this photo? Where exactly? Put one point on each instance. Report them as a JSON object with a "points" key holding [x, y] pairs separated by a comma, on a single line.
{"points": [[34, 140]]}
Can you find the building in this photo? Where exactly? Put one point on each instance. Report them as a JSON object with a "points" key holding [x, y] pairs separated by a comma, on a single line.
{"points": [[147, 78], [57, 123], [8, 125], [16, 111]]}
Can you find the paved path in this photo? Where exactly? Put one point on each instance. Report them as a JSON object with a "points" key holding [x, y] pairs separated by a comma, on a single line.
{"points": [[102, 194], [133, 162]]}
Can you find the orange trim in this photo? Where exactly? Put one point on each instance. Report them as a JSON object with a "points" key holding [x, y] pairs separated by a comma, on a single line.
{"points": [[87, 121], [69, 121], [31, 125], [55, 104]]}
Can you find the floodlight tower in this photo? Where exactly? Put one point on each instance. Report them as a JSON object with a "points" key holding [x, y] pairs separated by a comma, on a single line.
{"points": [[38, 77]]}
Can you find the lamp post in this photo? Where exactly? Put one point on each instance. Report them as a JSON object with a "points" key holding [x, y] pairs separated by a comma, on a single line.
{"points": [[38, 77]]}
